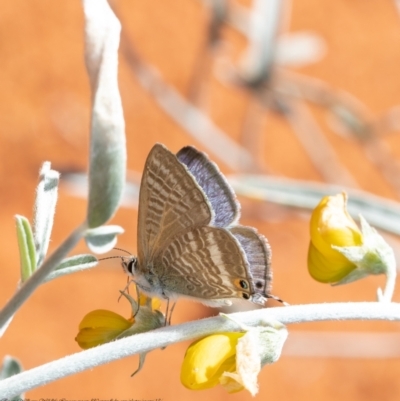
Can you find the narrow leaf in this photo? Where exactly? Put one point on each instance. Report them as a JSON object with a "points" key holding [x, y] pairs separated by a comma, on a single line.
{"points": [[10, 367], [102, 239], [265, 22], [73, 264], [45, 206], [107, 144], [26, 247]]}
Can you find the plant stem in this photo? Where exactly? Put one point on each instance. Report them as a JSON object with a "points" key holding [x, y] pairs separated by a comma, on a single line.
{"points": [[387, 294], [165, 336], [38, 277]]}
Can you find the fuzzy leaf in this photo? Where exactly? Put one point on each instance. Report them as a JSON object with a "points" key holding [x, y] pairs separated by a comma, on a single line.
{"points": [[45, 206], [265, 21], [26, 247], [10, 367], [102, 239], [107, 143], [73, 264]]}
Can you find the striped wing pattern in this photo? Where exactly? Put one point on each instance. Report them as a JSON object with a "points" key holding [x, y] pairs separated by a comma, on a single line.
{"points": [[187, 237], [170, 201], [205, 262], [258, 254]]}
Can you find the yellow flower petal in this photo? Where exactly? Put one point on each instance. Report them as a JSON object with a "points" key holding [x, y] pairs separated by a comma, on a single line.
{"points": [[207, 359], [99, 327], [326, 270], [154, 303], [330, 225]]}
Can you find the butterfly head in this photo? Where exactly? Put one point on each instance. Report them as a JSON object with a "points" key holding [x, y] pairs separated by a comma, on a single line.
{"points": [[129, 265]]}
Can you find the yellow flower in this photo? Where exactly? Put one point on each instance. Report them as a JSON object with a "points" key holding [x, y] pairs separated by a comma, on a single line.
{"points": [[152, 303], [207, 359], [331, 225], [101, 326], [233, 360]]}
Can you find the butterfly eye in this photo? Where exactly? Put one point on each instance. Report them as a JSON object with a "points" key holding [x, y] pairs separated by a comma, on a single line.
{"points": [[131, 265], [244, 284], [259, 284]]}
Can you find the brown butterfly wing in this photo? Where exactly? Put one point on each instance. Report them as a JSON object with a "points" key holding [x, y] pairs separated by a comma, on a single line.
{"points": [[184, 204], [170, 201], [205, 263]]}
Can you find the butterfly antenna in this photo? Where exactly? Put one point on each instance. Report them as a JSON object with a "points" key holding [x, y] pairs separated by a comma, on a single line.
{"points": [[112, 257], [276, 299], [123, 250]]}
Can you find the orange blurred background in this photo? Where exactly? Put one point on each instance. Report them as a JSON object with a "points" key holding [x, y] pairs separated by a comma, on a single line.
{"points": [[45, 115]]}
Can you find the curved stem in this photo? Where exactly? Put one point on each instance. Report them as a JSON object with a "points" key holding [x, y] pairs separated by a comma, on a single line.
{"points": [[165, 336], [387, 294], [38, 277]]}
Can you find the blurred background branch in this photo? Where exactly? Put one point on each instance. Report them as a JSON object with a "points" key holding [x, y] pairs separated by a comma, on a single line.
{"points": [[294, 99]]}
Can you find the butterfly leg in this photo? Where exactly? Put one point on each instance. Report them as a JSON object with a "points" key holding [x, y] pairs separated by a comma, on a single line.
{"points": [[142, 358], [137, 297], [276, 299], [168, 312], [126, 288], [125, 293]]}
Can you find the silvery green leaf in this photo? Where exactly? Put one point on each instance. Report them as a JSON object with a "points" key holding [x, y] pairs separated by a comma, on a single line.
{"points": [[75, 184], [45, 206], [381, 212], [272, 338], [26, 247], [102, 239], [349, 120], [10, 367], [299, 48], [107, 144], [264, 23], [73, 264]]}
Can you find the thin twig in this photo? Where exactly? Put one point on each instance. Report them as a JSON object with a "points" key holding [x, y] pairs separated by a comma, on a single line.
{"points": [[317, 146], [39, 276], [165, 336], [192, 120]]}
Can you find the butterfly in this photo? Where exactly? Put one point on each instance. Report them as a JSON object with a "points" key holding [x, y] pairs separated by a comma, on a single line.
{"points": [[190, 244]]}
